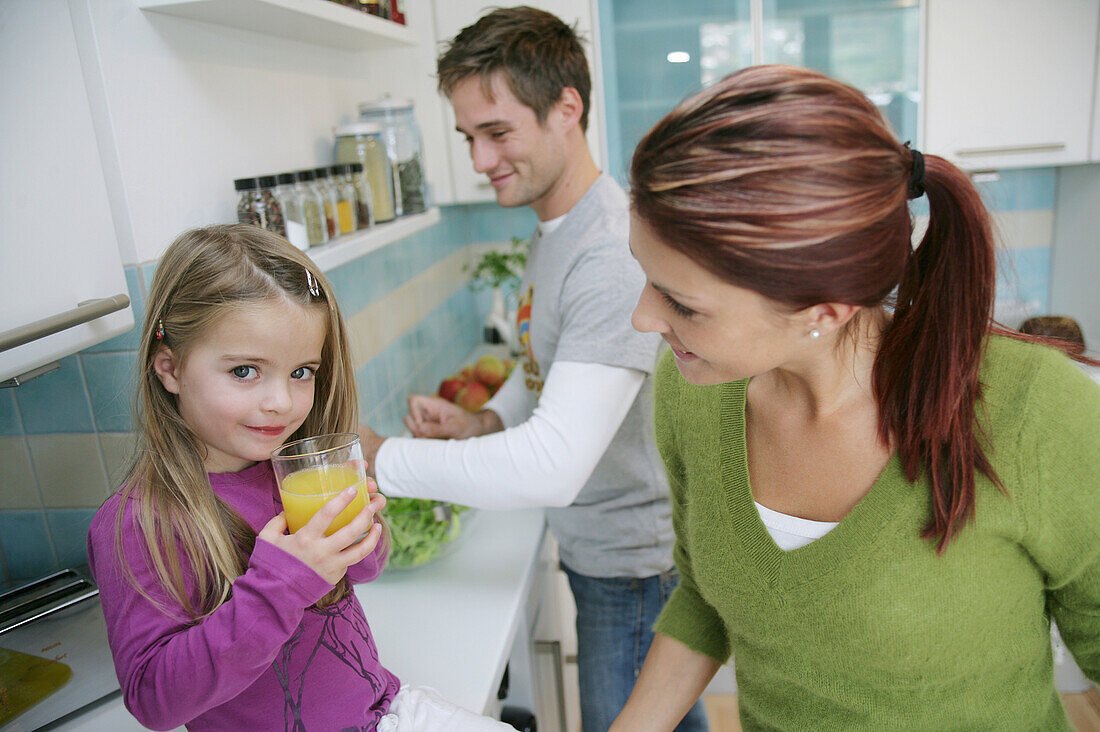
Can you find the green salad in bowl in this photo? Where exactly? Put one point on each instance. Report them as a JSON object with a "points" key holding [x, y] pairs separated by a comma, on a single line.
{"points": [[421, 530]]}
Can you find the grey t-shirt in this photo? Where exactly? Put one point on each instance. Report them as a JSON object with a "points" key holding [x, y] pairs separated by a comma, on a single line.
{"points": [[577, 296]]}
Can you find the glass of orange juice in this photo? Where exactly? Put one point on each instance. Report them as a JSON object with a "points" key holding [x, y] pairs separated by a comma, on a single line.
{"points": [[311, 472]]}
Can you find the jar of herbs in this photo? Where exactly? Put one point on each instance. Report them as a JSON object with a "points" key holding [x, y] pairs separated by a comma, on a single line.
{"points": [[286, 193], [363, 199], [328, 199], [362, 143], [313, 211], [275, 217], [250, 207], [401, 136]]}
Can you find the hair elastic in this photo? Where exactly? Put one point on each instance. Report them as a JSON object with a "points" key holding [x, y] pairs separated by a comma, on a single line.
{"points": [[159, 332], [916, 175], [314, 288]]}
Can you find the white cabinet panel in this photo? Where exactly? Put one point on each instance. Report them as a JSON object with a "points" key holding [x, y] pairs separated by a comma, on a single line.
{"points": [[451, 16], [58, 245], [1094, 150], [1009, 83]]}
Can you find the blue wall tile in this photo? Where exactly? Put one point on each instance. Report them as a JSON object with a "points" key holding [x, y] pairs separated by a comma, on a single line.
{"points": [[9, 415], [111, 386], [56, 402], [69, 530], [26, 544], [1024, 275], [490, 222]]}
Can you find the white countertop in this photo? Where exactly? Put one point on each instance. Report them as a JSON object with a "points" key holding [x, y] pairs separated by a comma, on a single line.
{"points": [[450, 624]]}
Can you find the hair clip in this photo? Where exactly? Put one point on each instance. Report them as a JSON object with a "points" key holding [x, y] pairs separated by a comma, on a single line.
{"points": [[314, 288], [159, 332]]}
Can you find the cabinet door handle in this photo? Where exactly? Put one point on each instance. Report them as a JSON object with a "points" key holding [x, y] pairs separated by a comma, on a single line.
{"points": [[1012, 149], [553, 647], [82, 313]]}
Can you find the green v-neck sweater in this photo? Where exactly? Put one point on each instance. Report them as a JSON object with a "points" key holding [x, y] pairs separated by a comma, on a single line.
{"points": [[867, 628]]}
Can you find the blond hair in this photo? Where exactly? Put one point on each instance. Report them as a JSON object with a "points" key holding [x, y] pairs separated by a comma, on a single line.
{"points": [[204, 275]]}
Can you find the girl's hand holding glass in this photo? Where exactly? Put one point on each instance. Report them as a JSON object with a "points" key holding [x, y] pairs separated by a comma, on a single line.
{"points": [[330, 556]]}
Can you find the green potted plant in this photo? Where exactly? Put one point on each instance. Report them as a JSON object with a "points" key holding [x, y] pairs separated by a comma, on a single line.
{"points": [[501, 270]]}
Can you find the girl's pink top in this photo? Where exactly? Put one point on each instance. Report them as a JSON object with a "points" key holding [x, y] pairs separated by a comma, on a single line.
{"points": [[264, 660]]}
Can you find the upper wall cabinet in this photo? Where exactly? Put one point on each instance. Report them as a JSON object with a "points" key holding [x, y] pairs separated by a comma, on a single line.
{"points": [[1009, 83], [455, 180], [59, 251]]}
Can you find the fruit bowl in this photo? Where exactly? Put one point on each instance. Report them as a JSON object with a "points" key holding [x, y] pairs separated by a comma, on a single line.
{"points": [[422, 531], [476, 383]]}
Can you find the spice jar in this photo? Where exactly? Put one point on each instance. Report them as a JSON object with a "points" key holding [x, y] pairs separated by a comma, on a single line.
{"points": [[313, 211], [293, 215], [328, 199], [401, 136], [345, 198], [363, 199], [249, 204], [362, 143], [274, 209]]}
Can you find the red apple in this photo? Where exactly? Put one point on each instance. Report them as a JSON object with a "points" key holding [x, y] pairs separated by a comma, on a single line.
{"points": [[490, 371], [472, 396], [467, 374], [449, 387]]}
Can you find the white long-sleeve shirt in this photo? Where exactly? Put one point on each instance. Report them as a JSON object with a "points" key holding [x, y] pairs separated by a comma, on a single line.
{"points": [[544, 455]]}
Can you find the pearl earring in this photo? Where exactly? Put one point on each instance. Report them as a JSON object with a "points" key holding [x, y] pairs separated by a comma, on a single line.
{"points": [[815, 333]]}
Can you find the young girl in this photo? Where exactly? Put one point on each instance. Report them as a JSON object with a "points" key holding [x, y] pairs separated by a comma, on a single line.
{"points": [[216, 617], [880, 498]]}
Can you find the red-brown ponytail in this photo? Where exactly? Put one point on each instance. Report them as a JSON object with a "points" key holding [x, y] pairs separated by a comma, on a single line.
{"points": [[926, 370]]}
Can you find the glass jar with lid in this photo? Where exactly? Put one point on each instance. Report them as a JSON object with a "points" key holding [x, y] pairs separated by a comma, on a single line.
{"points": [[402, 138], [249, 204], [344, 193], [362, 143], [312, 208], [293, 213], [275, 219], [364, 198], [323, 184]]}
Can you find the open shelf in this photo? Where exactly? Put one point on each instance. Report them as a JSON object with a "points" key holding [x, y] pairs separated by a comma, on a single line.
{"points": [[351, 246], [320, 22]]}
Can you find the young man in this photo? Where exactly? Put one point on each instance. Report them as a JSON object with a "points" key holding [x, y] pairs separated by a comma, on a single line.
{"points": [[571, 429]]}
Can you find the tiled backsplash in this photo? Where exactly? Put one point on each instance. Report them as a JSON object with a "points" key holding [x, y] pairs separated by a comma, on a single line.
{"points": [[65, 437]]}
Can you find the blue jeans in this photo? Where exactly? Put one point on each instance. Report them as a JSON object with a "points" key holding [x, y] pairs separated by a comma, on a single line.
{"points": [[615, 617]]}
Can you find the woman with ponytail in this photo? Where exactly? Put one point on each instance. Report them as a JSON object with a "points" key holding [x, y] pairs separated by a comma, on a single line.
{"points": [[881, 499]]}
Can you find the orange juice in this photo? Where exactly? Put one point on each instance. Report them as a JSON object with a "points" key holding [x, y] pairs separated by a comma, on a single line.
{"points": [[305, 491]]}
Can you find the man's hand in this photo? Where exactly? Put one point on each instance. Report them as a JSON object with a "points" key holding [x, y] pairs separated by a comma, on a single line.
{"points": [[431, 416]]}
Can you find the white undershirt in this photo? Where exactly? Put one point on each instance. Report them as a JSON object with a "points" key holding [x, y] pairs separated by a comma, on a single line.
{"points": [[791, 532], [542, 457]]}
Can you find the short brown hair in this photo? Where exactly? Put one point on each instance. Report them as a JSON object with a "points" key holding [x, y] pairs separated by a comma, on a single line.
{"points": [[539, 54], [1059, 327]]}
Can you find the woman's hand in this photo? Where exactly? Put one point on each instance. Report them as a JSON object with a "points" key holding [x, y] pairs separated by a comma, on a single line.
{"points": [[330, 556]]}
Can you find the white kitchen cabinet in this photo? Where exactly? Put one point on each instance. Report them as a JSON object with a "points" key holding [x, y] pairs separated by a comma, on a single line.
{"points": [[1009, 83], [59, 242], [1094, 147], [454, 178]]}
